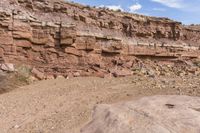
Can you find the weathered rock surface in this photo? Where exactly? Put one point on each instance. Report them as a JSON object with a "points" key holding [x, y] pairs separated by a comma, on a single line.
{"points": [[61, 38], [7, 67], [157, 114]]}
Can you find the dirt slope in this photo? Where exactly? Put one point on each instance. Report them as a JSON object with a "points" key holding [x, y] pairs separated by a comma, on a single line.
{"points": [[64, 106]]}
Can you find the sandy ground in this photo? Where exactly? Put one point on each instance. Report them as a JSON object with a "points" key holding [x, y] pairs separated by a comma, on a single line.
{"points": [[65, 105]]}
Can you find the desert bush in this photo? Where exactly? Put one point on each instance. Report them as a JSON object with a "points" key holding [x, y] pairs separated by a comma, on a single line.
{"points": [[197, 62], [3, 83], [10, 81]]}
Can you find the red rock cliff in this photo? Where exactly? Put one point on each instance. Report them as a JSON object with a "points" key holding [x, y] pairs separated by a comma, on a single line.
{"points": [[63, 38]]}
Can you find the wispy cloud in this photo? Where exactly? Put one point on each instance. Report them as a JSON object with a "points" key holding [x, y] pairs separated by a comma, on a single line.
{"points": [[113, 7], [159, 9], [135, 7], [184, 5], [171, 3]]}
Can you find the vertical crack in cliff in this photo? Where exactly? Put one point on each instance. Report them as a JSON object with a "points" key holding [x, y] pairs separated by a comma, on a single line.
{"points": [[13, 41], [59, 33], [175, 37]]}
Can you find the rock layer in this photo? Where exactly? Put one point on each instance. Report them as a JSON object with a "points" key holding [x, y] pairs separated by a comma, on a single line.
{"points": [[64, 38], [157, 114]]}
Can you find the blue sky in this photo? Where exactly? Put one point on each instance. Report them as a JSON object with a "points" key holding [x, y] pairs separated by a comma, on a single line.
{"points": [[185, 11]]}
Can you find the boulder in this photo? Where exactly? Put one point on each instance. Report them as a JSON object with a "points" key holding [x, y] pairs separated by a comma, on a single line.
{"points": [[121, 73], [60, 77], [7, 67], [38, 74], [50, 77], [156, 114]]}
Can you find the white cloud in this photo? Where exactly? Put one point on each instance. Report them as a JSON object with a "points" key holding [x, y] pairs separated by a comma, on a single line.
{"points": [[171, 3], [159, 9], [135, 7], [113, 7]]}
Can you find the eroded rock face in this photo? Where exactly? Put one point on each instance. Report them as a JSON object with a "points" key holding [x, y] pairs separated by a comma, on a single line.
{"points": [[157, 114], [63, 38]]}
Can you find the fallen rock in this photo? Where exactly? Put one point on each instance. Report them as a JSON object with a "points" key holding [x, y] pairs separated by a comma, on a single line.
{"points": [[7, 67], [38, 74], [156, 114], [121, 73], [77, 74], [60, 77], [49, 77]]}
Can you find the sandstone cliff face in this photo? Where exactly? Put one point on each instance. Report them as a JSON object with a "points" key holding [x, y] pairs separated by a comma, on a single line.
{"points": [[64, 38]]}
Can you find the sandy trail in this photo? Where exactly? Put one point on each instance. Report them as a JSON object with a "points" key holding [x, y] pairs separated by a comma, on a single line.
{"points": [[64, 106]]}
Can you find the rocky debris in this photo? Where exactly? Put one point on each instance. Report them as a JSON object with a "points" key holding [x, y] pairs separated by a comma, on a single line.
{"points": [[38, 74], [8, 67], [156, 114], [166, 68], [49, 77], [59, 37]]}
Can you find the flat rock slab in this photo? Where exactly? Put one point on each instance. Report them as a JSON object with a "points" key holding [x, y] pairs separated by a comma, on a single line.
{"points": [[157, 114], [7, 67]]}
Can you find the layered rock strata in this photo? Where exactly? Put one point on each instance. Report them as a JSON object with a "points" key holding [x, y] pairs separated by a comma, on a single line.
{"points": [[60, 38]]}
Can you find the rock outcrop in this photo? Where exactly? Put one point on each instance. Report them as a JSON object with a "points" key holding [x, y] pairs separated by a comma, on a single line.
{"points": [[60, 38], [157, 114]]}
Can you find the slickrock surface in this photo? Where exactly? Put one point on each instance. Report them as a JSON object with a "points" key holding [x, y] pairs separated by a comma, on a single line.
{"points": [[157, 114], [65, 39], [65, 106]]}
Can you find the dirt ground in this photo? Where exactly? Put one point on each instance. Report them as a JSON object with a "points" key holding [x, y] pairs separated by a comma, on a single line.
{"points": [[65, 105]]}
